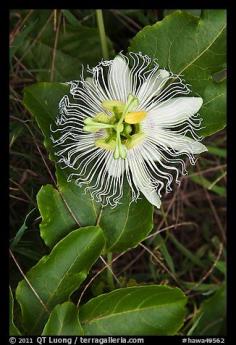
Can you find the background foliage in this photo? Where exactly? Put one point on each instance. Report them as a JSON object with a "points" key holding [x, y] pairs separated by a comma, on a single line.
{"points": [[49, 46]]}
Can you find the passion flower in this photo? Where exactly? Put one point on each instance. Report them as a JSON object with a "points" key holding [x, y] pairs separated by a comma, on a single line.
{"points": [[129, 121]]}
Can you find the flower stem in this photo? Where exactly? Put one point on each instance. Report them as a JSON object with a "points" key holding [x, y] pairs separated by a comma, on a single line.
{"points": [[102, 34], [109, 274]]}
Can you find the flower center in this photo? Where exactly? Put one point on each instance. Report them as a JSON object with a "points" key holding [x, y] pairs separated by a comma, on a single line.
{"points": [[122, 129]]}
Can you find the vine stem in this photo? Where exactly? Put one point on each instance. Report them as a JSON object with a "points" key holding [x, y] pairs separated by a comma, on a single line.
{"points": [[110, 280], [102, 34], [28, 282]]}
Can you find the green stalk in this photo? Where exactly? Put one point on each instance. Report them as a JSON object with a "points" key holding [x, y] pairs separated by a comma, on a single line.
{"points": [[102, 34], [109, 274], [120, 150]]}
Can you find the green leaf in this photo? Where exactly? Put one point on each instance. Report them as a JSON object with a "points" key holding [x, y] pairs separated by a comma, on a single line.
{"points": [[204, 288], [221, 266], [160, 244], [20, 232], [16, 130], [28, 253], [142, 310], [63, 320], [13, 330], [57, 275], [64, 50], [71, 18], [214, 150], [42, 100], [62, 209], [194, 12], [211, 317], [195, 48], [202, 181], [19, 39], [126, 225], [120, 226], [192, 257]]}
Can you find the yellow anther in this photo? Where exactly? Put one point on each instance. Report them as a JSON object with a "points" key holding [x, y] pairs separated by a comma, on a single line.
{"points": [[135, 117]]}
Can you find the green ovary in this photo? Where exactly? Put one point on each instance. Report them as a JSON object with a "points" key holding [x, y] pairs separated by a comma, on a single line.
{"points": [[120, 136]]}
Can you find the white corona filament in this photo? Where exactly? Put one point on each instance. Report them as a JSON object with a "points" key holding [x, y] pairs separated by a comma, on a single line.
{"points": [[168, 132]]}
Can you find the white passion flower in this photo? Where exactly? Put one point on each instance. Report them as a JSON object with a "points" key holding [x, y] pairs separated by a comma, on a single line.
{"points": [[130, 121]]}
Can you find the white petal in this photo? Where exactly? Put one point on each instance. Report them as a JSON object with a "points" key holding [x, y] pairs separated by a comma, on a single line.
{"points": [[141, 178], [190, 145], [152, 196], [174, 111], [119, 79], [150, 153], [179, 142], [152, 86]]}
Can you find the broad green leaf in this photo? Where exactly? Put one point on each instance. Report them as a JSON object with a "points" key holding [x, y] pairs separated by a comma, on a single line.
{"points": [[62, 209], [126, 225], [57, 275], [13, 330], [195, 48], [120, 225], [194, 12], [211, 317], [73, 47], [63, 320], [42, 100], [142, 310]]}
